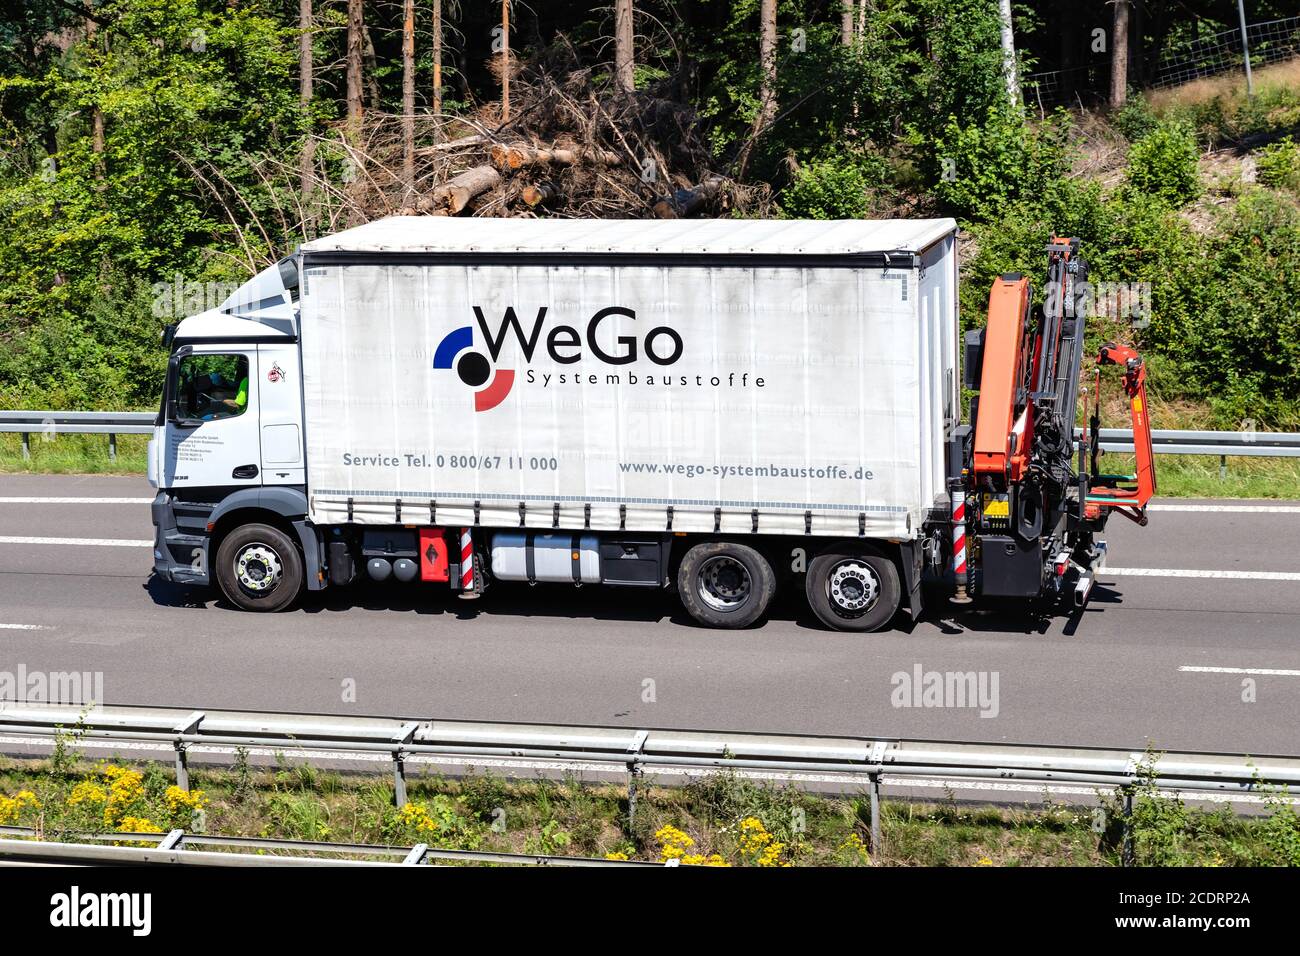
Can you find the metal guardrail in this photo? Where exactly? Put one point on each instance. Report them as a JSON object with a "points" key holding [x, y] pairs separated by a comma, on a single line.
{"points": [[179, 848], [855, 760], [111, 424], [1178, 442], [1163, 442]]}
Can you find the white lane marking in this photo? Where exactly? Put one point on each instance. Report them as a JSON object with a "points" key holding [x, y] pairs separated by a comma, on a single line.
{"points": [[1262, 671], [1188, 573], [25, 627], [81, 542], [34, 500], [1235, 509]]}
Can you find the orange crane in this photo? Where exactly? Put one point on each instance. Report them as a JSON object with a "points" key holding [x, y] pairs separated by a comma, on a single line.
{"points": [[1026, 522]]}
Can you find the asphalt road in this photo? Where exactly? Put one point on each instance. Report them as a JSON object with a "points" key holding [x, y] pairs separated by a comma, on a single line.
{"points": [[1117, 676]]}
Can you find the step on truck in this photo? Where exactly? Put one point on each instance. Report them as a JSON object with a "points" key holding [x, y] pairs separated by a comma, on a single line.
{"points": [[724, 408]]}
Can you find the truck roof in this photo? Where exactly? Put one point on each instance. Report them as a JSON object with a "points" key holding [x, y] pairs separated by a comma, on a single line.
{"points": [[439, 234]]}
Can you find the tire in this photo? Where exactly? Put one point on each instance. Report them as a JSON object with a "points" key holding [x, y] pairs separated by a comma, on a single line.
{"points": [[853, 587], [725, 585], [268, 553]]}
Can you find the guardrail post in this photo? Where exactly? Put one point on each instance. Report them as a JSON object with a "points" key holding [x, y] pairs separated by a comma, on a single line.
{"points": [[182, 765], [27, 447], [1223, 467], [1127, 850], [875, 813], [399, 778], [112, 447], [633, 773]]}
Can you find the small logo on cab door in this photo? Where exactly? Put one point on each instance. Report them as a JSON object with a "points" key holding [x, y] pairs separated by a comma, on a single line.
{"points": [[276, 374]]}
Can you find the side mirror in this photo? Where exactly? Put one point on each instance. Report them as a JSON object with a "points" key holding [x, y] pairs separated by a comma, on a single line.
{"points": [[173, 382]]}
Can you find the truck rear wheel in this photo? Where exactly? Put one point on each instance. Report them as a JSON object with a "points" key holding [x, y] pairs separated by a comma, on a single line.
{"points": [[259, 568], [853, 588], [725, 585]]}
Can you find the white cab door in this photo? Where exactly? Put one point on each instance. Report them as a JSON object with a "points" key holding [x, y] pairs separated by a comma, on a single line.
{"points": [[213, 438], [280, 407]]}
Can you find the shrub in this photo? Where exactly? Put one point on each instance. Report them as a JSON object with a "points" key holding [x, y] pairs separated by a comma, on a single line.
{"points": [[1278, 165], [834, 188], [982, 167], [1163, 164], [1135, 119]]}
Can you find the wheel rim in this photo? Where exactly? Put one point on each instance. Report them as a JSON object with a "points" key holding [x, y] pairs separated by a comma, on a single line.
{"points": [[258, 568], [853, 587], [724, 583]]}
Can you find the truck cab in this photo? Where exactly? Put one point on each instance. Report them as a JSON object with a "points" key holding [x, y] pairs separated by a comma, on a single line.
{"points": [[227, 448]]}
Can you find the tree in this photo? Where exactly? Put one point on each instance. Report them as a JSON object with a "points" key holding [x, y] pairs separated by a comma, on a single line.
{"points": [[306, 79], [846, 22], [505, 60], [1009, 52], [437, 58], [408, 100], [356, 26], [624, 61], [1119, 55], [767, 60]]}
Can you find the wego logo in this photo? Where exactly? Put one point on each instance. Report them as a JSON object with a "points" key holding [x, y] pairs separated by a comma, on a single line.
{"points": [[564, 345], [474, 369]]}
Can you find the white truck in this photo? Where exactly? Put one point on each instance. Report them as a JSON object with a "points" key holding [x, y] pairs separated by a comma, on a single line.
{"points": [[723, 407]]}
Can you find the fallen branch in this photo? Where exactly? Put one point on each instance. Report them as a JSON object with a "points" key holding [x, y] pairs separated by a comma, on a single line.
{"points": [[685, 202], [455, 194]]}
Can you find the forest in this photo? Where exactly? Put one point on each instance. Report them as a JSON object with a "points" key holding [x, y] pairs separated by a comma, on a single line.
{"points": [[155, 153]]}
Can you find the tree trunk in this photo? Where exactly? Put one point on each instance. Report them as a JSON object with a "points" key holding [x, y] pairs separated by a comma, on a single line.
{"points": [[356, 25], [371, 69], [454, 195], [505, 60], [437, 59], [846, 23], [518, 155], [1119, 56], [539, 194], [96, 114], [306, 78], [624, 58], [408, 100], [1009, 53], [767, 59]]}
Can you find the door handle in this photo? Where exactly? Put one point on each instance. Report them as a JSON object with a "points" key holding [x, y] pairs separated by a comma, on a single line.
{"points": [[244, 471]]}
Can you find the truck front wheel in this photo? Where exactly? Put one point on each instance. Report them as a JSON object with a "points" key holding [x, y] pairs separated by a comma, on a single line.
{"points": [[853, 588], [725, 585], [259, 568]]}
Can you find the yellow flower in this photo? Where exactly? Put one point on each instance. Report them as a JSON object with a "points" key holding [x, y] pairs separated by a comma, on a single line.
{"points": [[616, 855], [11, 807], [673, 843], [87, 792], [178, 800], [416, 816], [984, 861], [701, 860]]}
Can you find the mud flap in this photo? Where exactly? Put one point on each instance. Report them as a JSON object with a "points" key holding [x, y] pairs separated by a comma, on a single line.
{"points": [[910, 555]]}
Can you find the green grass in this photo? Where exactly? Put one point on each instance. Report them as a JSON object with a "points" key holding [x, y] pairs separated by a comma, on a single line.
{"points": [[1198, 476], [567, 818], [73, 454]]}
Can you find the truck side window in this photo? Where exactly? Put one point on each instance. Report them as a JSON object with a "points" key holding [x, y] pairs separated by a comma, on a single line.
{"points": [[211, 387]]}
